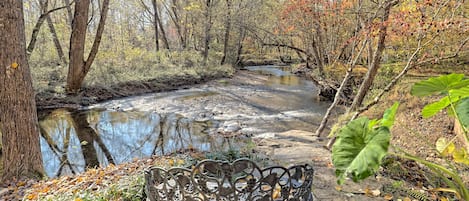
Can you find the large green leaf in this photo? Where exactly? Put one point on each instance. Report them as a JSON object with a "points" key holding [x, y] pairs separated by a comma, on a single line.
{"points": [[389, 116], [440, 84], [461, 92], [433, 108], [359, 150], [462, 109]]}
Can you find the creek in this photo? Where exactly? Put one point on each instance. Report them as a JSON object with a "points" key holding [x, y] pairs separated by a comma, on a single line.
{"points": [[258, 102]]}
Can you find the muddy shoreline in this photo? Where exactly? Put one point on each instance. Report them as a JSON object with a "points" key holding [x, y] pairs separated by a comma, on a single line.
{"points": [[48, 100]]}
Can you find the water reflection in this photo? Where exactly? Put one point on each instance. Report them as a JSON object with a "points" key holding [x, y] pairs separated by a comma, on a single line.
{"points": [[72, 141], [279, 75]]}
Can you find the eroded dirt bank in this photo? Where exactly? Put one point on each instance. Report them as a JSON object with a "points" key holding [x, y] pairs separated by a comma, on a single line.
{"points": [[95, 94]]}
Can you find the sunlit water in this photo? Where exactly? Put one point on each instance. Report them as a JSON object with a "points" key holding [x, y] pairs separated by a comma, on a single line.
{"points": [[143, 126]]}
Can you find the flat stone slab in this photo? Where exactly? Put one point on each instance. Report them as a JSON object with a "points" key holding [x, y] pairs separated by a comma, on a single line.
{"points": [[297, 147]]}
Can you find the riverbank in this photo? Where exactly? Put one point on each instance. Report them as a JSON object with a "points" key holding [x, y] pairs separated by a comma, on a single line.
{"points": [[51, 93]]}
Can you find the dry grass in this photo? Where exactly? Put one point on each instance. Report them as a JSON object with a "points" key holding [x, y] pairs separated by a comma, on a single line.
{"points": [[110, 69]]}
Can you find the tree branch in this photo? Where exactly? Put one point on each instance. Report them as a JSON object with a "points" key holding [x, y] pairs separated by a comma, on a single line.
{"points": [[97, 39], [37, 28]]}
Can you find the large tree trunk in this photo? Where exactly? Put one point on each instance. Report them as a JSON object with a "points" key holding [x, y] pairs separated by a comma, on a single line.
{"points": [[18, 118], [78, 67], [227, 31]]}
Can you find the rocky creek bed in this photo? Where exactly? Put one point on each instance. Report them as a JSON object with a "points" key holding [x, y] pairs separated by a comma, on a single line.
{"points": [[276, 113]]}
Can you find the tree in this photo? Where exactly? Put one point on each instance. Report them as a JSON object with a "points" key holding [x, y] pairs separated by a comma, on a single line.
{"points": [[79, 67], [173, 11], [155, 24], [18, 119], [227, 31], [375, 58], [208, 27], [45, 15]]}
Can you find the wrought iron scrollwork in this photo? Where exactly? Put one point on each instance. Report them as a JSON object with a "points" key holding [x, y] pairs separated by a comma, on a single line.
{"points": [[220, 180]]}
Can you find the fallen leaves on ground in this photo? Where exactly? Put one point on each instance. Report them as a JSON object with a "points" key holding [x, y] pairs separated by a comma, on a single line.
{"points": [[110, 183]]}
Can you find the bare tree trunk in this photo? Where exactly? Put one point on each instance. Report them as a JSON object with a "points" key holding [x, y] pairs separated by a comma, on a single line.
{"points": [[339, 91], [172, 11], [69, 12], [317, 57], [39, 22], [55, 38], [239, 46], [177, 23], [18, 117], [155, 25], [227, 31], [163, 33], [208, 27], [78, 67], [375, 64], [35, 33]]}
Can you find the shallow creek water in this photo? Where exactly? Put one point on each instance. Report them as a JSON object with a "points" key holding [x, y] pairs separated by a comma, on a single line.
{"points": [[258, 102]]}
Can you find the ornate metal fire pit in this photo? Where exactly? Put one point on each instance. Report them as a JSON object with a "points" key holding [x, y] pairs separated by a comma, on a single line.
{"points": [[220, 180]]}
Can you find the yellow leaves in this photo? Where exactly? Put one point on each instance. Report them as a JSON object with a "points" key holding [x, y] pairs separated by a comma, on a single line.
{"points": [[45, 189], [444, 199], [338, 188], [407, 199], [77, 199], [176, 162], [192, 6], [277, 192], [32, 196], [388, 196], [447, 149], [21, 183], [372, 193], [408, 6], [14, 65], [444, 147], [79, 179], [460, 156]]}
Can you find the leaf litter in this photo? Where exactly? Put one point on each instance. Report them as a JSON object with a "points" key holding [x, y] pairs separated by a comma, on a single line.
{"points": [[114, 182]]}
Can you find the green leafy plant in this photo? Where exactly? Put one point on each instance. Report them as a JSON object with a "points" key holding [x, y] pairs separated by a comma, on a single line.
{"points": [[362, 143]]}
